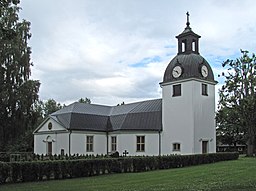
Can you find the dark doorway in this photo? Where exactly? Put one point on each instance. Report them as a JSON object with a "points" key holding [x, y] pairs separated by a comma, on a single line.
{"points": [[49, 148], [204, 147]]}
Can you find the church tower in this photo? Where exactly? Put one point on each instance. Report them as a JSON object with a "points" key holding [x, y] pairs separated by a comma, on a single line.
{"points": [[188, 100]]}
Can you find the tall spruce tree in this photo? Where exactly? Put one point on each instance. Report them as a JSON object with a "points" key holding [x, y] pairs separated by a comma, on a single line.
{"points": [[237, 105], [17, 92]]}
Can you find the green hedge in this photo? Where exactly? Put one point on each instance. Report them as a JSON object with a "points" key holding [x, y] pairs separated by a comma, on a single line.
{"points": [[46, 170], [4, 157], [28, 156]]}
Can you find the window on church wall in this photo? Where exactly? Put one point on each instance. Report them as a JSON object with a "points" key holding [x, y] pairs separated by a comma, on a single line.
{"points": [[113, 143], [140, 143], [50, 126], [89, 143], [176, 90], [176, 146], [204, 89]]}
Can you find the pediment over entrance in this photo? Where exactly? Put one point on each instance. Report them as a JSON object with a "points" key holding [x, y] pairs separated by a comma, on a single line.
{"points": [[50, 125]]}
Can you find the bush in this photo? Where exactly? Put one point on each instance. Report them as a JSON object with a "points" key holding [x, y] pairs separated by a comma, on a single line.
{"points": [[29, 171], [15, 171], [114, 154], [4, 157], [57, 169], [4, 172]]}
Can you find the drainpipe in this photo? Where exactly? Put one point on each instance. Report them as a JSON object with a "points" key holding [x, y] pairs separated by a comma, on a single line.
{"points": [[107, 141], [108, 128], [56, 143], [69, 142], [159, 133]]}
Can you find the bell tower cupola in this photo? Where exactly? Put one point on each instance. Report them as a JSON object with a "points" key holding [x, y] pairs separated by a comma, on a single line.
{"points": [[188, 63], [188, 40]]}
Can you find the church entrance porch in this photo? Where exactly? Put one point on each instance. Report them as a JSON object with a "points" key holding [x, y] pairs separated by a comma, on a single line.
{"points": [[49, 145]]}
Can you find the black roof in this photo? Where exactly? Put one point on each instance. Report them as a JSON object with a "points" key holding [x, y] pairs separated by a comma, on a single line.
{"points": [[191, 64], [145, 116]]}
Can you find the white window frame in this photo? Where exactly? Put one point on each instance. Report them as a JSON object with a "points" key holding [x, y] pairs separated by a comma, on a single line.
{"points": [[140, 143], [89, 143], [113, 143]]}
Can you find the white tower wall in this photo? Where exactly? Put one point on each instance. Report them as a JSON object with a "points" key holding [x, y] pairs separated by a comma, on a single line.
{"points": [[188, 119]]}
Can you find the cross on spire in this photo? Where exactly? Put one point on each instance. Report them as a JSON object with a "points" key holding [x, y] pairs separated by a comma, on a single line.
{"points": [[188, 40], [187, 19]]}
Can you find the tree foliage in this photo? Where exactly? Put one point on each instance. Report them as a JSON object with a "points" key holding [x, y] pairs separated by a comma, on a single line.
{"points": [[121, 103], [17, 92], [84, 100], [236, 115], [50, 106], [229, 131]]}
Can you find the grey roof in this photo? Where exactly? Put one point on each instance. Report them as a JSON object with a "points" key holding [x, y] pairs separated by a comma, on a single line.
{"points": [[84, 109], [188, 31], [191, 64], [145, 115]]}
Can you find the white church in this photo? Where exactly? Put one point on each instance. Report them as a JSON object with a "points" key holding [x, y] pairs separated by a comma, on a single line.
{"points": [[182, 122]]}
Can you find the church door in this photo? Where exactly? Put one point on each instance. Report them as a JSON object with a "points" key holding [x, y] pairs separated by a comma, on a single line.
{"points": [[204, 147], [49, 148]]}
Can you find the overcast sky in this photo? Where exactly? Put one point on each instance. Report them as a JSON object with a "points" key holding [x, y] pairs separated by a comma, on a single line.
{"points": [[117, 50]]}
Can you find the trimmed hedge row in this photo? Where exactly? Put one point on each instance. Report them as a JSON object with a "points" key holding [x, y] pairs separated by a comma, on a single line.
{"points": [[27, 156], [46, 170]]}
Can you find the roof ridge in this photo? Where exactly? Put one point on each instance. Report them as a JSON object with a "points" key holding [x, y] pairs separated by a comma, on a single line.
{"points": [[142, 102], [138, 102], [71, 106], [92, 104]]}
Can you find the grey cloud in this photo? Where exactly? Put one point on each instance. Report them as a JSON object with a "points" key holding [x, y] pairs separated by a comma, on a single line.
{"points": [[87, 48]]}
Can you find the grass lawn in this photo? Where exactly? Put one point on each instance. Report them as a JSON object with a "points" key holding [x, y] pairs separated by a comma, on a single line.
{"points": [[231, 175]]}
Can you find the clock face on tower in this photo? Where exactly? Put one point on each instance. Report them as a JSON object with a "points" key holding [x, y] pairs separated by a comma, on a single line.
{"points": [[204, 71], [177, 71]]}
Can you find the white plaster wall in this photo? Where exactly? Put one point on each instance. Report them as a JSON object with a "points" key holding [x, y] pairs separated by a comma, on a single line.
{"points": [[178, 119], [188, 119], [204, 118], [78, 143], [55, 126], [60, 141], [127, 141], [39, 145]]}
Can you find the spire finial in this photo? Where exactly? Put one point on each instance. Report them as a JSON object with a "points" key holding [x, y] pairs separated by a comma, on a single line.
{"points": [[187, 19]]}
